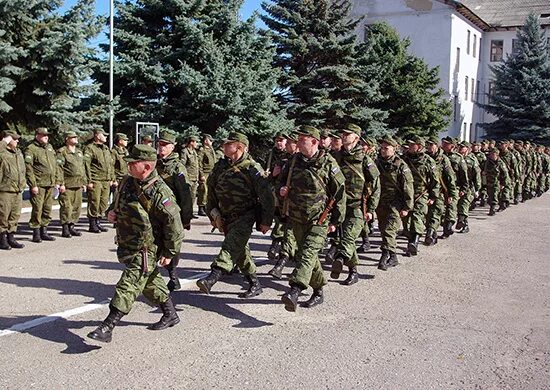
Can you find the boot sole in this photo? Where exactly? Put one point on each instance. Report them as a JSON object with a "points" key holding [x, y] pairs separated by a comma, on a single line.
{"points": [[289, 305], [168, 325], [349, 283], [203, 288], [308, 305], [94, 337], [337, 267], [245, 295]]}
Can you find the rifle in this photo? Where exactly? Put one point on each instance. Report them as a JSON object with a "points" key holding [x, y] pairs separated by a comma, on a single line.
{"points": [[326, 211]]}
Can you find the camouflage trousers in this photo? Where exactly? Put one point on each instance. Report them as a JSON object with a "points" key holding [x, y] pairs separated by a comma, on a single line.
{"points": [[70, 203], [98, 198], [41, 203], [367, 228], [493, 195], [518, 188], [278, 231], [193, 187], [415, 221], [451, 211], [135, 281], [389, 222], [310, 239], [235, 249], [10, 211], [464, 202], [351, 229], [288, 247], [435, 212], [202, 192]]}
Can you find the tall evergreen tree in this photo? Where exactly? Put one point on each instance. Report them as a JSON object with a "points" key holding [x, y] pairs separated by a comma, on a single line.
{"points": [[322, 82], [44, 59], [410, 88], [193, 64], [521, 98]]}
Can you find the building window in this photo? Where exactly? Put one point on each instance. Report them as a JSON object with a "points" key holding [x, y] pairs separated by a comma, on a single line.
{"points": [[515, 47], [466, 88], [497, 48], [491, 92], [463, 135], [471, 132], [472, 98], [474, 47], [480, 49], [468, 43], [455, 111], [457, 59], [477, 91]]}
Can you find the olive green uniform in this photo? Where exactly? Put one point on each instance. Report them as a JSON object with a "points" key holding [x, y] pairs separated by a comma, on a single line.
{"points": [[275, 158], [174, 174], [474, 184], [120, 166], [99, 169], [207, 159], [190, 160], [73, 176], [12, 184], [447, 180], [42, 171], [461, 172], [498, 181]]}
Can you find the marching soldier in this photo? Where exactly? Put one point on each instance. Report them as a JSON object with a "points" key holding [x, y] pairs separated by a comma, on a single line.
{"points": [[190, 160], [149, 231], [362, 188], [12, 184], [41, 174], [481, 158], [474, 181], [72, 180], [312, 186], [498, 180], [118, 153], [369, 147], [207, 159], [396, 199], [512, 164], [239, 196]]}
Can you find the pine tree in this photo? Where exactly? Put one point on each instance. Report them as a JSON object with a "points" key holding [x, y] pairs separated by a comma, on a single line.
{"points": [[44, 56], [323, 80], [193, 64], [521, 98], [409, 86]]}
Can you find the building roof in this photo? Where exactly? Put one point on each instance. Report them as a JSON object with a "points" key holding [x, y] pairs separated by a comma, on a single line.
{"points": [[499, 14]]}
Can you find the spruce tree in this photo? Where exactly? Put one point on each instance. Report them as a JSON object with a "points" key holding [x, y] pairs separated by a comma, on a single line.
{"points": [[521, 98], [410, 88], [193, 64], [44, 56], [323, 80]]}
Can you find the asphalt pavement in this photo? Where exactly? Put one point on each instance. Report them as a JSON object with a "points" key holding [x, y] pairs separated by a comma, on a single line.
{"points": [[473, 312]]}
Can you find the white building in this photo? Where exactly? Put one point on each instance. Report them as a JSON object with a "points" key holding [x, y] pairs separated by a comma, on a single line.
{"points": [[463, 38]]}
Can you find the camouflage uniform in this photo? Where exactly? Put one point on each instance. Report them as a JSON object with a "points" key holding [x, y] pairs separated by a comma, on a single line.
{"points": [[464, 203], [207, 159], [190, 160], [481, 158], [121, 167], [362, 187], [509, 158], [276, 158], [463, 186], [498, 181]]}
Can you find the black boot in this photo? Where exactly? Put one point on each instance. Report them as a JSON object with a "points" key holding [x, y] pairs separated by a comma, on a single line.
{"points": [[447, 229], [174, 282], [65, 231], [13, 243], [392, 261], [383, 263], [466, 228], [169, 316], [36, 235], [93, 225], [365, 245], [205, 284], [277, 271], [4, 241], [202, 211], [460, 222], [315, 299], [274, 249], [429, 238], [337, 266], [99, 225], [44, 234], [73, 231], [412, 247], [353, 277], [290, 298], [104, 332], [492, 211], [329, 257], [254, 287]]}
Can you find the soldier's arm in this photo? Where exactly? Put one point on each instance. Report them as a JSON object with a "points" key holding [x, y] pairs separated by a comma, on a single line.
{"points": [[263, 189], [60, 172], [88, 164], [167, 213], [407, 187], [183, 196], [374, 198], [372, 178], [434, 187], [29, 159], [211, 198], [336, 188]]}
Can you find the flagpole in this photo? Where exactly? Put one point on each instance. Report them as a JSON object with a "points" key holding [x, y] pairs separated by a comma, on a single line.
{"points": [[111, 70]]}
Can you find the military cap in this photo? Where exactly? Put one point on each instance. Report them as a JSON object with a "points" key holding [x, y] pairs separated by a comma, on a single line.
{"points": [[70, 134], [416, 139], [519, 142], [193, 137], [494, 150], [399, 140], [10, 133], [279, 134], [147, 138], [168, 137], [236, 137], [121, 136], [390, 141], [141, 152], [99, 130], [448, 140], [324, 133], [334, 134], [464, 144], [292, 137], [309, 131], [476, 143], [369, 141], [42, 131], [207, 136], [433, 140], [527, 143], [352, 128]]}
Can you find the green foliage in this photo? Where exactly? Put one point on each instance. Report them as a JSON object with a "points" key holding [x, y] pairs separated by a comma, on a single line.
{"points": [[44, 61], [410, 88], [521, 100]]}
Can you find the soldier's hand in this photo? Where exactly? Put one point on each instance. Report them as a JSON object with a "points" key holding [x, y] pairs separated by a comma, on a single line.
{"points": [[114, 184], [62, 189], [461, 194], [264, 228], [34, 190], [430, 202], [403, 213], [331, 228], [368, 217], [202, 179], [283, 192], [449, 200], [90, 186], [276, 171], [187, 226], [163, 261], [111, 216]]}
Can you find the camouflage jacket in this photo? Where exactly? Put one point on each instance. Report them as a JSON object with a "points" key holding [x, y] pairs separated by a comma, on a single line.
{"points": [[121, 167], [41, 164], [474, 172], [512, 164], [313, 183], [275, 157], [497, 174], [147, 217], [71, 167], [423, 169], [207, 160], [445, 174], [190, 160], [98, 163], [396, 183], [362, 178], [481, 158], [461, 170], [12, 171], [238, 188], [173, 172]]}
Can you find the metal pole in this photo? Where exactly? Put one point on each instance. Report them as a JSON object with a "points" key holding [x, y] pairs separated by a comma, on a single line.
{"points": [[111, 71]]}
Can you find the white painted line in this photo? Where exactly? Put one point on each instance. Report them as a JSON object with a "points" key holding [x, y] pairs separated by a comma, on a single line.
{"points": [[55, 207], [18, 328]]}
